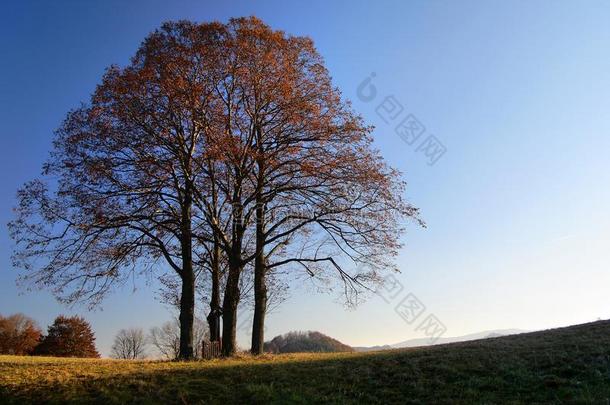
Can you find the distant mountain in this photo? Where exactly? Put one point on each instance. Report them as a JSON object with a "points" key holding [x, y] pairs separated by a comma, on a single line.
{"points": [[299, 342], [426, 341], [372, 348], [472, 336]]}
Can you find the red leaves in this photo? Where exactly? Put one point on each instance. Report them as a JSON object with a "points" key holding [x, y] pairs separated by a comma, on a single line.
{"points": [[178, 150], [68, 337], [19, 335]]}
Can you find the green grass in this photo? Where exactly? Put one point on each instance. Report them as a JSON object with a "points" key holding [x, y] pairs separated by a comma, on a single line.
{"points": [[568, 365]]}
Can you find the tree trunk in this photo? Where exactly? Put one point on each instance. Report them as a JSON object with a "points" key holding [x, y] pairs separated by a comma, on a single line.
{"points": [[229, 311], [260, 309], [187, 297], [231, 296], [260, 286], [187, 315], [215, 310], [260, 265]]}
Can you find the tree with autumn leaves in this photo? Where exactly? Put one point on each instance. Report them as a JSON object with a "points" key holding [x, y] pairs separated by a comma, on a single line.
{"points": [[19, 335], [224, 152], [68, 337]]}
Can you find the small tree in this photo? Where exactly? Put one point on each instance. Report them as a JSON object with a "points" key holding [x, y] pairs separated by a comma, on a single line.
{"points": [[68, 337], [129, 344], [166, 338], [19, 335]]}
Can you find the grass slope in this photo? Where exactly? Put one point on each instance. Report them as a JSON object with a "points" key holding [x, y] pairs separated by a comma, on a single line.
{"points": [[567, 365]]}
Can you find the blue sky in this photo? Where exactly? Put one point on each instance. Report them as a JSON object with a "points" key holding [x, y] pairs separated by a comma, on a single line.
{"points": [[516, 91]]}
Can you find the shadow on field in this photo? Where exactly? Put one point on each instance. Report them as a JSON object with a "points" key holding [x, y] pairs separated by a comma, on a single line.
{"points": [[561, 365]]}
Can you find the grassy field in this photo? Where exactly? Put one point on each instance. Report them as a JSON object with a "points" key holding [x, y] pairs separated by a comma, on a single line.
{"points": [[568, 365]]}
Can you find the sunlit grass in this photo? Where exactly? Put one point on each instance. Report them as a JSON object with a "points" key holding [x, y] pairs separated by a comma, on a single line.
{"points": [[563, 365]]}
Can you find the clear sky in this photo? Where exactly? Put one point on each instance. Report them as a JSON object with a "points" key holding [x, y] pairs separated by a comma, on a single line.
{"points": [[518, 93]]}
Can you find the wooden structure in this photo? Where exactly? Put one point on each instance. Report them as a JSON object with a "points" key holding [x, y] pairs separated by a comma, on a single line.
{"points": [[211, 350]]}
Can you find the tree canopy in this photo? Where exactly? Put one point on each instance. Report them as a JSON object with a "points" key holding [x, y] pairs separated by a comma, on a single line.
{"points": [[19, 335], [68, 337]]}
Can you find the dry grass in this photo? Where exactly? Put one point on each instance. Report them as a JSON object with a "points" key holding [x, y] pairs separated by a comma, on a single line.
{"points": [[569, 365]]}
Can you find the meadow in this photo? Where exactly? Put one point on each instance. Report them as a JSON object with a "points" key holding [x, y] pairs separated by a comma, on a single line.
{"points": [[566, 365]]}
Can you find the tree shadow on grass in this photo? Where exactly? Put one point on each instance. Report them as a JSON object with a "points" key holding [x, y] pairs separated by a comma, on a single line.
{"points": [[570, 364]]}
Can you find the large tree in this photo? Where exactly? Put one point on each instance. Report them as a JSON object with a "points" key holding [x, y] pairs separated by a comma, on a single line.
{"points": [[126, 176], [219, 148], [313, 191]]}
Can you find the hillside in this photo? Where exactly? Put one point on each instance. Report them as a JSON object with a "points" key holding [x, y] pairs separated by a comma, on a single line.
{"points": [[305, 342], [443, 340], [556, 366]]}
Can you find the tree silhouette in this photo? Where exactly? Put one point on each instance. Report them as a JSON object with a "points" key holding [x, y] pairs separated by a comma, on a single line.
{"points": [[166, 338], [129, 344]]}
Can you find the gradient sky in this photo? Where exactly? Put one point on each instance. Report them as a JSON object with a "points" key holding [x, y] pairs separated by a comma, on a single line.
{"points": [[517, 91]]}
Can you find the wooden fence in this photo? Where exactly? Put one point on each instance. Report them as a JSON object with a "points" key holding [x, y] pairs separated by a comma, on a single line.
{"points": [[211, 350]]}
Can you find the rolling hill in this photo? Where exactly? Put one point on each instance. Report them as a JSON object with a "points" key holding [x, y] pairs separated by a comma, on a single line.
{"points": [[465, 338], [566, 365], [305, 342], [443, 340]]}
